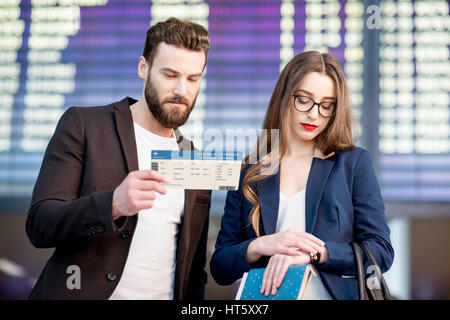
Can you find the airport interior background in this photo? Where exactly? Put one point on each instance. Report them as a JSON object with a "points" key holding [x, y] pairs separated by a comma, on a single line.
{"points": [[60, 53]]}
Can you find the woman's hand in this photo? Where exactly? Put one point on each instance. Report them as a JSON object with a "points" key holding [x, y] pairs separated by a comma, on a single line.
{"points": [[276, 270], [279, 264], [288, 242]]}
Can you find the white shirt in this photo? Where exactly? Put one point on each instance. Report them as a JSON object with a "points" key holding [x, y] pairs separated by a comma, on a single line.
{"points": [[291, 212], [291, 215], [150, 268]]}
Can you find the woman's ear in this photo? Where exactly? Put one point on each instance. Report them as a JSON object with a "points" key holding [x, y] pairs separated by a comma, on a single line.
{"points": [[143, 68]]}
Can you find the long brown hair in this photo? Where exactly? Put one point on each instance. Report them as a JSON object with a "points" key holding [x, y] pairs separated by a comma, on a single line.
{"points": [[337, 136]]}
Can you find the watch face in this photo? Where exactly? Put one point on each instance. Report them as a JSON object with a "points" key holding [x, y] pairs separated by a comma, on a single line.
{"points": [[315, 259]]}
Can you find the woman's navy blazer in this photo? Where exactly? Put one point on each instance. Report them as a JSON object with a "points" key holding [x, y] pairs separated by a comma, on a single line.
{"points": [[343, 204]]}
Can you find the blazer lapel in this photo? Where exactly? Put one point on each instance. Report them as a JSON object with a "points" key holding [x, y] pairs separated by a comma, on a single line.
{"points": [[269, 193], [189, 196], [318, 176], [185, 232], [124, 124], [269, 199]]}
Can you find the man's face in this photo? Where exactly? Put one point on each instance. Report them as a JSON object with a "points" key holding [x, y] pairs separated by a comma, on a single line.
{"points": [[173, 83]]}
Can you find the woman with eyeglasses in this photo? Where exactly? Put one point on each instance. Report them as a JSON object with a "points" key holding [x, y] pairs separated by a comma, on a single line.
{"points": [[304, 197]]}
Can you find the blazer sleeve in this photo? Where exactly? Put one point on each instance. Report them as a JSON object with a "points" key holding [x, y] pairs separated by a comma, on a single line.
{"points": [[57, 215], [370, 224], [228, 263]]}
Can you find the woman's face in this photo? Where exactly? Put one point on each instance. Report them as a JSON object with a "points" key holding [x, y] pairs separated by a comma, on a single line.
{"points": [[308, 125]]}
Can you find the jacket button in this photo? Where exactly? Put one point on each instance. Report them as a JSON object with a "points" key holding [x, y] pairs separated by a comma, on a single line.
{"points": [[111, 276], [125, 234]]}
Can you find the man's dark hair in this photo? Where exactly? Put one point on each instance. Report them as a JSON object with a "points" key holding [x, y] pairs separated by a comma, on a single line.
{"points": [[177, 32]]}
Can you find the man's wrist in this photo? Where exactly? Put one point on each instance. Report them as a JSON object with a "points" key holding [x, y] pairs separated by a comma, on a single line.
{"points": [[115, 213]]}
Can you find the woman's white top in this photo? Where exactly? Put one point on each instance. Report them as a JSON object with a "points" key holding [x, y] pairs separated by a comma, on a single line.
{"points": [[291, 215]]}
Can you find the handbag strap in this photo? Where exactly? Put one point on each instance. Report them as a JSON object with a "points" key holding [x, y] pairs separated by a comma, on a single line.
{"points": [[360, 269]]}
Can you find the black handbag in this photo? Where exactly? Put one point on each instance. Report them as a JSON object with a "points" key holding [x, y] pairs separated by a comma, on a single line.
{"points": [[374, 287]]}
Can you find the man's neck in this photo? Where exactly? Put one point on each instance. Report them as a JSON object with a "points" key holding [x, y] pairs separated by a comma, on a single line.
{"points": [[143, 117]]}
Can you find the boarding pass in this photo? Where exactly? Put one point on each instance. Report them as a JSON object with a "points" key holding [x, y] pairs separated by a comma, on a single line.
{"points": [[210, 170]]}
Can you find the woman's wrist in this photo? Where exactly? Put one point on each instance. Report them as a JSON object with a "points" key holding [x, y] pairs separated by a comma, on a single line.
{"points": [[252, 254], [323, 255]]}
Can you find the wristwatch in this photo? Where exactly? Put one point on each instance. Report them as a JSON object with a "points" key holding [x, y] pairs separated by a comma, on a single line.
{"points": [[315, 259]]}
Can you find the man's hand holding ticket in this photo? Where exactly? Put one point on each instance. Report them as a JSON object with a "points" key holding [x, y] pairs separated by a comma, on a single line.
{"points": [[210, 170]]}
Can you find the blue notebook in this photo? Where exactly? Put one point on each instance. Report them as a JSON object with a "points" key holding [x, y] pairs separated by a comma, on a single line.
{"points": [[294, 285]]}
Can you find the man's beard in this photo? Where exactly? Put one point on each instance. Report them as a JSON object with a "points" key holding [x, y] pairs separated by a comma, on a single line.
{"points": [[169, 117]]}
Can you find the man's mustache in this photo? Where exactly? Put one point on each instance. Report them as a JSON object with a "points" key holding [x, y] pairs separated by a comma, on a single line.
{"points": [[177, 99]]}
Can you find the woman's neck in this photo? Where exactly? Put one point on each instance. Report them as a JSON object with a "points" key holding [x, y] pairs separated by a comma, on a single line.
{"points": [[300, 148]]}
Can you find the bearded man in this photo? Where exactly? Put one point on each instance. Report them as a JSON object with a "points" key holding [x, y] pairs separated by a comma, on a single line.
{"points": [[118, 233]]}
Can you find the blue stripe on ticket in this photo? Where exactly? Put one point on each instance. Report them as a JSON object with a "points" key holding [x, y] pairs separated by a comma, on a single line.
{"points": [[195, 155]]}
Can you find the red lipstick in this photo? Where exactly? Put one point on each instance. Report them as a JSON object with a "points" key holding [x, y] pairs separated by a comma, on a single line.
{"points": [[308, 126]]}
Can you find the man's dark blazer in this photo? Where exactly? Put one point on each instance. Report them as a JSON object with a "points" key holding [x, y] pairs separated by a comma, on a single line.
{"points": [[91, 152], [343, 203]]}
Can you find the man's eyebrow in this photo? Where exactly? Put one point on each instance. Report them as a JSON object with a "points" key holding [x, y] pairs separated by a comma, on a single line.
{"points": [[169, 70], [312, 95], [176, 72], [195, 75]]}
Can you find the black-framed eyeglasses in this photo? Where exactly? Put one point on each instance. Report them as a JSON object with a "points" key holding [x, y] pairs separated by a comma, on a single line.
{"points": [[305, 104]]}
